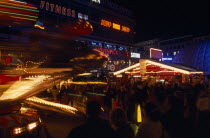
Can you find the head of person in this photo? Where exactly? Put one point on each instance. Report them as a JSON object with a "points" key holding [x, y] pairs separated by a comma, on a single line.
{"points": [[118, 117], [93, 109], [152, 112]]}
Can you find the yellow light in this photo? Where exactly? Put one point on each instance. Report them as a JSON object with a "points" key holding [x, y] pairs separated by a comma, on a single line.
{"points": [[126, 69], [106, 23], [125, 29], [84, 74], [40, 27], [139, 117], [61, 106], [116, 26], [18, 130], [23, 18], [31, 126], [21, 88]]}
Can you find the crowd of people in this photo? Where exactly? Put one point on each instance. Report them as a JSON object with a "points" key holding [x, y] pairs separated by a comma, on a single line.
{"points": [[168, 111]]}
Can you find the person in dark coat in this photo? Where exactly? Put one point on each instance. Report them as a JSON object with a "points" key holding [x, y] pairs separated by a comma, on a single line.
{"points": [[120, 124], [94, 127]]}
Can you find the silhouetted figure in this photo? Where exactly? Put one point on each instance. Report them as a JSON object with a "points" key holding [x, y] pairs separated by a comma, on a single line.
{"points": [[151, 126], [120, 124], [94, 127]]}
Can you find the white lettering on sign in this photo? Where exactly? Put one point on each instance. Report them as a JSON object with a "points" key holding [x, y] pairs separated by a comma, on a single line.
{"points": [[135, 55], [166, 59], [97, 1]]}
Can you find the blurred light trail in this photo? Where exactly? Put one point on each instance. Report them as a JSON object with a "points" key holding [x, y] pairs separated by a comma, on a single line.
{"points": [[20, 88], [57, 105], [13, 11]]}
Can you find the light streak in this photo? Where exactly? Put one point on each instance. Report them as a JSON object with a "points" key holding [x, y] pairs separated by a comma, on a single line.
{"points": [[13, 4], [84, 74], [19, 88], [23, 18], [84, 83], [18, 14], [40, 27], [12, 7], [58, 105], [126, 69]]}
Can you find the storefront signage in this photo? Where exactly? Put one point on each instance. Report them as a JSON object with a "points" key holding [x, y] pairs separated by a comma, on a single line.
{"points": [[114, 26], [168, 59], [135, 55], [108, 51], [57, 9], [82, 16]]}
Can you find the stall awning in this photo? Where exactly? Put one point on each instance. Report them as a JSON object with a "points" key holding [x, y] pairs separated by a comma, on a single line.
{"points": [[158, 68]]}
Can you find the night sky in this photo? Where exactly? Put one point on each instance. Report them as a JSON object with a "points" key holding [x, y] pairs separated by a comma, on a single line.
{"points": [[169, 18]]}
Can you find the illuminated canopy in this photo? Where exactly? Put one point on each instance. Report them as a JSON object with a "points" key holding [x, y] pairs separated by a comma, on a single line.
{"points": [[158, 68]]}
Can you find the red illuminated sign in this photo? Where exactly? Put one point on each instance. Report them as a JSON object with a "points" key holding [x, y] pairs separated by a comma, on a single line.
{"points": [[115, 26], [108, 51], [57, 9]]}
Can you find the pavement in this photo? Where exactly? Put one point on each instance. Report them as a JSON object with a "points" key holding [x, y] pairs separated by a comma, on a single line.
{"points": [[59, 125]]}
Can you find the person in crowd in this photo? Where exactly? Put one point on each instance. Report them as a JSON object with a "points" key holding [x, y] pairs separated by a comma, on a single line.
{"points": [[62, 94], [131, 104], [108, 100], [151, 126], [55, 92], [172, 115], [203, 113], [94, 127], [119, 122]]}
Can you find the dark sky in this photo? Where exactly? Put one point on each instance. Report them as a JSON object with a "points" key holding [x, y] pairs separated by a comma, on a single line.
{"points": [[169, 18]]}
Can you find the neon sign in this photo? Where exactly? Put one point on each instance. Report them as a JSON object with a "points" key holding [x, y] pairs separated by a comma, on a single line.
{"points": [[115, 26], [106, 23], [57, 9], [108, 51], [163, 59]]}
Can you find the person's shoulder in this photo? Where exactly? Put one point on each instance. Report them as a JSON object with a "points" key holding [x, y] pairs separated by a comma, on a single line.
{"points": [[77, 131]]}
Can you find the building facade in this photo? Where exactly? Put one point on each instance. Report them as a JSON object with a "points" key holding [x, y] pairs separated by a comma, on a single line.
{"points": [[192, 51], [112, 27]]}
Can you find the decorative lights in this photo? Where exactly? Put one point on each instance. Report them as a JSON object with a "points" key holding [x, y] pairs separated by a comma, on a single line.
{"points": [[57, 105], [114, 26], [126, 69]]}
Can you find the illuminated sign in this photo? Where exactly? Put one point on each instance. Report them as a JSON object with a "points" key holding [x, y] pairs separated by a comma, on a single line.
{"points": [[82, 16], [57, 9], [156, 53], [108, 51], [115, 26], [135, 55], [61, 10], [169, 59], [106, 23], [97, 1]]}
